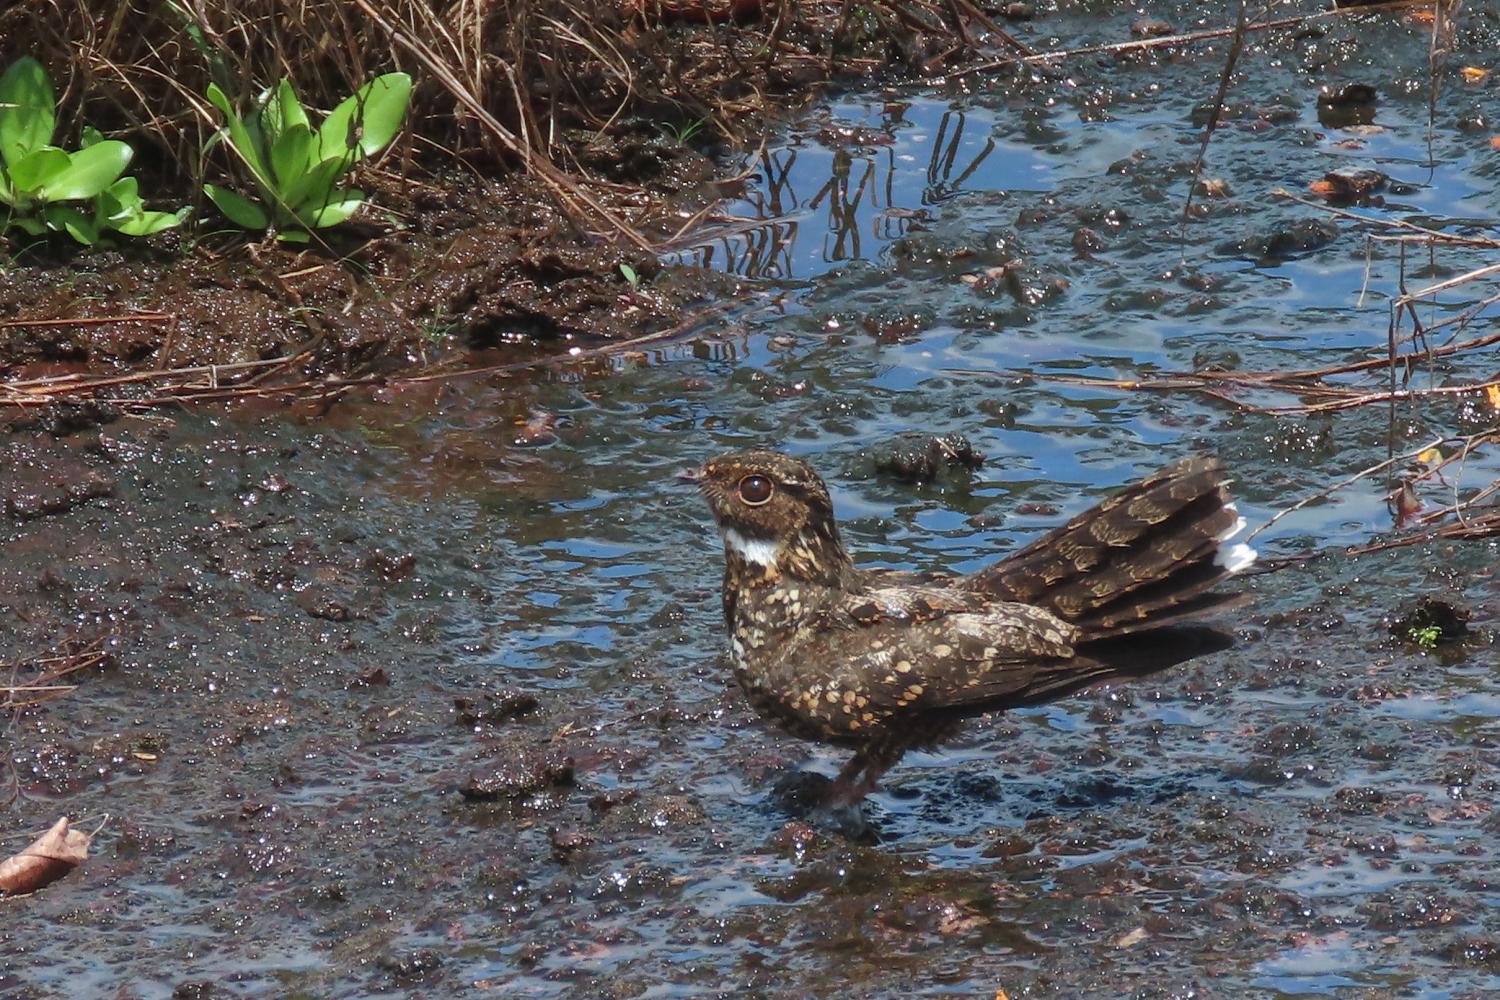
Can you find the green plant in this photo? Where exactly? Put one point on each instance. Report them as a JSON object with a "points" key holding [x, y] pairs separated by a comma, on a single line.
{"points": [[629, 274], [46, 188], [1425, 636], [297, 170], [685, 132]]}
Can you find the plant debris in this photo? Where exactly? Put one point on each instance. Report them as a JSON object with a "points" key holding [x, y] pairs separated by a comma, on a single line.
{"points": [[51, 856]]}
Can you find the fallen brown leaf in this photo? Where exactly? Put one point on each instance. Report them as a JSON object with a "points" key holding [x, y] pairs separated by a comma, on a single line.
{"points": [[49, 858], [1408, 505]]}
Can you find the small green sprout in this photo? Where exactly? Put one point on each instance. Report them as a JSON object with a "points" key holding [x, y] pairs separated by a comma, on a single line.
{"points": [[1425, 636], [631, 276]]}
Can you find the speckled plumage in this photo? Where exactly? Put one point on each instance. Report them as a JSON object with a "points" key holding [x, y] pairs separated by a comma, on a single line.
{"points": [[883, 661]]}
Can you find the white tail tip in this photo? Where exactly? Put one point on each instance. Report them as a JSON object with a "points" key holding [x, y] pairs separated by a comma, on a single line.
{"points": [[1234, 558]]}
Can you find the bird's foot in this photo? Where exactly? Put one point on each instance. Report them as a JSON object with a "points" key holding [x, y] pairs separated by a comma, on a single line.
{"points": [[815, 799]]}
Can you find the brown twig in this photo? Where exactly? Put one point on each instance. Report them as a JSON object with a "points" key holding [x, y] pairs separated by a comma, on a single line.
{"points": [[142, 317], [1142, 44]]}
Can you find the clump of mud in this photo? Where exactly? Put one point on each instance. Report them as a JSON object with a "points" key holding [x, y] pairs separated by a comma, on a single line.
{"points": [[1432, 622], [918, 460]]}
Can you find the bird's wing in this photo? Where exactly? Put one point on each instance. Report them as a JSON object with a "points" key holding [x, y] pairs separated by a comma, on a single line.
{"points": [[930, 650]]}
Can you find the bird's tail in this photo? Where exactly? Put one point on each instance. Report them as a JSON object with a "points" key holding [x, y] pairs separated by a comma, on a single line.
{"points": [[1145, 558]]}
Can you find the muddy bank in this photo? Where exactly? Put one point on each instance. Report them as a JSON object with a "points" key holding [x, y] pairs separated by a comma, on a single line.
{"points": [[447, 265]]}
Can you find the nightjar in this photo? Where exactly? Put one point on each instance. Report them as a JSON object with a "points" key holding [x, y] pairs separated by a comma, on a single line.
{"points": [[882, 661]]}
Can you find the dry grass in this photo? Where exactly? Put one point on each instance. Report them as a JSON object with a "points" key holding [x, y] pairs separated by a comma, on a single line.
{"points": [[500, 80], [519, 84]]}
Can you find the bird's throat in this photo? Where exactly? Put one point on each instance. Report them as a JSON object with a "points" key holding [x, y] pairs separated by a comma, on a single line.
{"points": [[759, 553], [811, 556]]}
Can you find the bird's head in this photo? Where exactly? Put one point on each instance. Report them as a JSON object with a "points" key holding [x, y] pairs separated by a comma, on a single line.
{"points": [[775, 514]]}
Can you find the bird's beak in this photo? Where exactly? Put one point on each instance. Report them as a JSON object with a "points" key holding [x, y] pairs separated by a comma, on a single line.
{"points": [[693, 475]]}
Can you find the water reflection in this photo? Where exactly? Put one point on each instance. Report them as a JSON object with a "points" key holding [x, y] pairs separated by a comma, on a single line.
{"points": [[868, 193]]}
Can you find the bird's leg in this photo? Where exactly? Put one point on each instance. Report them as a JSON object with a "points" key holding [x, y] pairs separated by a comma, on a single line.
{"points": [[874, 770], [843, 788]]}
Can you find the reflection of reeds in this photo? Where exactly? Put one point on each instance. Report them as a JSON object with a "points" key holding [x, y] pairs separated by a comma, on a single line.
{"points": [[30, 682], [857, 198], [1414, 345]]}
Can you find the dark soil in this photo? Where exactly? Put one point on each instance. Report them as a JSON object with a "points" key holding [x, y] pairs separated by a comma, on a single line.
{"points": [[494, 259]]}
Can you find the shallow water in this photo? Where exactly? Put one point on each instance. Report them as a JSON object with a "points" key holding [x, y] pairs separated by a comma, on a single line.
{"points": [[296, 601]]}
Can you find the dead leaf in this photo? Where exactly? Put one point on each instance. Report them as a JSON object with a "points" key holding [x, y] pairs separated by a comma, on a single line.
{"points": [[1407, 503], [1000, 994], [1492, 393], [1430, 457], [1132, 939], [1495, 142], [1323, 189], [49, 858], [1473, 74], [537, 430], [1422, 15]]}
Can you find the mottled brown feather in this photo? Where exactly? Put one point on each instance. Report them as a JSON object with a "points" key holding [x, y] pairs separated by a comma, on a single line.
{"points": [[1145, 550]]}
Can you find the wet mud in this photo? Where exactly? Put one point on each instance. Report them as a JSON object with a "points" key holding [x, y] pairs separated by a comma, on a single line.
{"points": [[446, 265], [357, 738]]}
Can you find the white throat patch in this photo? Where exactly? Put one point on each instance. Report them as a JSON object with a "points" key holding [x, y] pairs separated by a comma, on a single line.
{"points": [[753, 550]]}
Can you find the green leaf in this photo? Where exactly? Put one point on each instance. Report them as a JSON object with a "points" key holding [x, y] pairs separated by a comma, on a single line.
{"points": [[245, 140], [37, 169], [218, 69], [73, 222], [288, 109], [28, 125], [289, 155], [28, 225], [363, 123], [219, 99], [90, 171], [338, 211], [119, 201], [314, 188], [146, 223], [125, 191], [91, 136], [293, 236], [237, 208]]}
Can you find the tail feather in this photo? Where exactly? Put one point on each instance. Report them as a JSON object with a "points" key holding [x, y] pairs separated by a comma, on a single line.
{"points": [[1102, 661], [1144, 558]]}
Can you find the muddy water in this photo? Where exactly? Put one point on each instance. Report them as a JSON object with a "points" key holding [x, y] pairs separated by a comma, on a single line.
{"points": [[295, 602]]}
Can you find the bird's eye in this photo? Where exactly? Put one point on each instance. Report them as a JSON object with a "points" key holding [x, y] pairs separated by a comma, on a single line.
{"points": [[755, 490]]}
